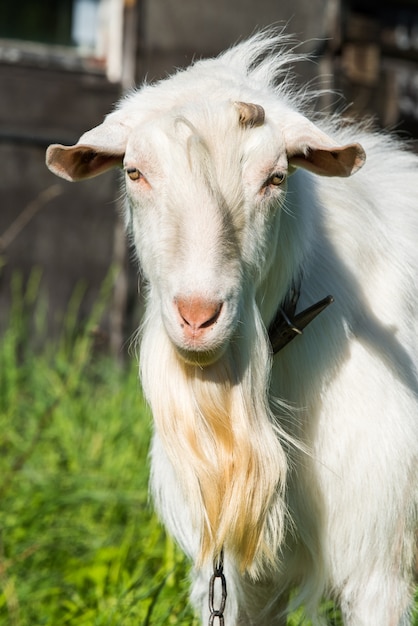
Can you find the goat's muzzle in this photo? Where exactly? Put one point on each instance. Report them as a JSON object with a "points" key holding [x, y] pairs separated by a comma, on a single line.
{"points": [[197, 318], [198, 315]]}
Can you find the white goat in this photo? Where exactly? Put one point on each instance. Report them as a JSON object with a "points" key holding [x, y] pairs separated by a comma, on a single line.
{"points": [[302, 466]]}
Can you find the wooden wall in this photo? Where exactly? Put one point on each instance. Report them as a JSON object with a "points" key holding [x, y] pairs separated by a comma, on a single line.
{"points": [[65, 231]]}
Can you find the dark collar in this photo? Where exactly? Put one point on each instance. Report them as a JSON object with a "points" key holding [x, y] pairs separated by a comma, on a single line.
{"points": [[287, 325]]}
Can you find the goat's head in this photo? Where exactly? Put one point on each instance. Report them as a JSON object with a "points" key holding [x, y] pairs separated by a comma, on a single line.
{"points": [[205, 185]]}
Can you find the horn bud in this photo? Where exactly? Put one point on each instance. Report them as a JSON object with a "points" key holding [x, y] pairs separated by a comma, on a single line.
{"points": [[250, 114]]}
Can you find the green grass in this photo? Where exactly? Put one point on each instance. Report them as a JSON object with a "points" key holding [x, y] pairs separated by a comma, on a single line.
{"points": [[79, 544]]}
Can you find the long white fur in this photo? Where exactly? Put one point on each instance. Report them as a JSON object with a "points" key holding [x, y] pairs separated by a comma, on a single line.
{"points": [[321, 440]]}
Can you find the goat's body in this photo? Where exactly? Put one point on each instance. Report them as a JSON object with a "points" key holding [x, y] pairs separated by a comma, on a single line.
{"points": [[350, 383], [334, 514]]}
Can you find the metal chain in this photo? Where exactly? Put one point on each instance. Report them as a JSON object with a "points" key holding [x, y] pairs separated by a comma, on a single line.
{"points": [[218, 574]]}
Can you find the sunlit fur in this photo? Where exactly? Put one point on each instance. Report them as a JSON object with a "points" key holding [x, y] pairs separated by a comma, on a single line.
{"points": [[341, 530], [303, 466]]}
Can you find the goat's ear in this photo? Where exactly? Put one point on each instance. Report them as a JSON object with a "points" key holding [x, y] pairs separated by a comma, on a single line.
{"points": [[81, 161], [97, 151], [310, 148]]}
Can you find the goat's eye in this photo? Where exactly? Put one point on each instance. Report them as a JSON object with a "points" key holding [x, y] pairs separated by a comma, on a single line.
{"points": [[133, 173], [276, 179]]}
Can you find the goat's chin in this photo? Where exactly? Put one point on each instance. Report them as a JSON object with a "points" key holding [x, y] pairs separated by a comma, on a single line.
{"points": [[200, 358]]}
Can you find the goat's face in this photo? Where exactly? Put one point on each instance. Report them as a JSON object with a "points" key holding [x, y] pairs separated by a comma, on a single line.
{"points": [[204, 219], [205, 188]]}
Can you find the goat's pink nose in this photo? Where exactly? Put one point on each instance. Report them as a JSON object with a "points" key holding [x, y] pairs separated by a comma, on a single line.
{"points": [[197, 314]]}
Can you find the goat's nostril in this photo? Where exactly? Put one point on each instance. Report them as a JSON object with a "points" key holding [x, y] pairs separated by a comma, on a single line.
{"points": [[211, 320], [198, 313]]}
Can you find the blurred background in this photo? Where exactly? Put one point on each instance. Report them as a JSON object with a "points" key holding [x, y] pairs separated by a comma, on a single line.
{"points": [[64, 63]]}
